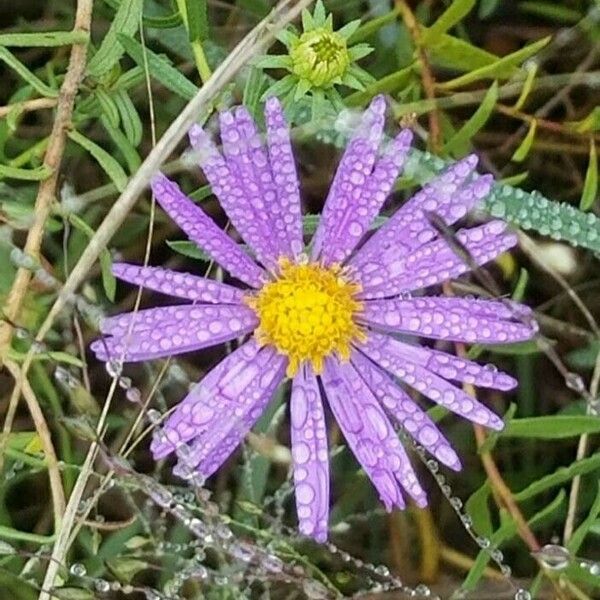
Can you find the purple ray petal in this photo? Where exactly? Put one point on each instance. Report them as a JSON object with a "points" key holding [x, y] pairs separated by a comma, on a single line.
{"points": [[234, 186], [442, 364], [358, 216], [409, 227], [310, 455], [285, 176], [169, 330], [199, 408], [349, 182], [406, 411], [248, 159], [438, 261], [454, 319], [435, 388], [370, 435], [179, 285], [200, 228], [239, 399]]}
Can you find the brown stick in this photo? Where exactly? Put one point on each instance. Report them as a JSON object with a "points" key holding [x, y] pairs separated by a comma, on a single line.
{"points": [[52, 160], [426, 75]]}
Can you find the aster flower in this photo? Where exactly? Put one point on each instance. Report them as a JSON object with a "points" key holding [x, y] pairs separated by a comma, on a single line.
{"points": [[337, 317], [318, 60]]}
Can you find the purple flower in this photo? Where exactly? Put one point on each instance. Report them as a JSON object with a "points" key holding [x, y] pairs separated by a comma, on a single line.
{"points": [[336, 316]]}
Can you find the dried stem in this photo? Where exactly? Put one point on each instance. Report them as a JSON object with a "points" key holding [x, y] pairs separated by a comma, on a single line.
{"points": [[43, 431], [52, 161], [426, 75]]}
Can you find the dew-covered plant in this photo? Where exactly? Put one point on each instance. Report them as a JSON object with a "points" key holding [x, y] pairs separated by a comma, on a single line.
{"points": [[237, 419]]}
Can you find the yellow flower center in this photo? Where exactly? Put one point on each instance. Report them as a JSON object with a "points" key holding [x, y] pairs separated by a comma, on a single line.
{"points": [[308, 313]]}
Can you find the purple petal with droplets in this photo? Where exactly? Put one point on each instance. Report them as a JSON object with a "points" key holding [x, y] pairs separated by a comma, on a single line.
{"points": [[438, 261], [285, 176], [348, 184], [233, 183], [443, 364], [405, 410], [196, 412], [310, 455], [409, 227], [239, 401], [179, 285], [433, 387], [370, 435], [359, 214], [158, 332], [454, 319], [200, 228]]}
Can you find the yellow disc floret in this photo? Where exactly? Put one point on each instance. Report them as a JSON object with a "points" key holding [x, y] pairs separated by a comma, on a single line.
{"points": [[307, 313]]}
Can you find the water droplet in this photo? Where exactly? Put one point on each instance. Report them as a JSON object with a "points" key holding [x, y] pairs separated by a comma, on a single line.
{"points": [[78, 570], [102, 586], [553, 556], [522, 594]]}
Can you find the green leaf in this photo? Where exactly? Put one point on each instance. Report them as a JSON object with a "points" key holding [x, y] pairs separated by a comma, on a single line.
{"points": [[108, 279], [47, 39], [16, 588], [478, 509], [108, 106], [130, 118], [110, 166], [523, 150], [120, 139], [590, 185], [159, 68], [560, 476], [552, 428], [554, 11], [454, 53], [188, 249], [22, 71], [38, 174], [497, 69], [455, 13], [125, 22], [197, 20], [580, 533], [370, 27], [479, 118]]}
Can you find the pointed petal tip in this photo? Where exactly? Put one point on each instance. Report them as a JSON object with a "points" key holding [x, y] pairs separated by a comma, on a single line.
{"points": [[272, 104], [378, 104]]}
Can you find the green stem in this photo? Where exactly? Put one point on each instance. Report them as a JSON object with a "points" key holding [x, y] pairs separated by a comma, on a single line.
{"points": [[199, 56]]}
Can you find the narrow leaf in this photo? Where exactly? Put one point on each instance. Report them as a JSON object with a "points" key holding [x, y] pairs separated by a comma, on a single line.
{"points": [[126, 22], [523, 150], [130, 118], [590, 185], [47, 39], [37, 174], [455, 13], [476, 122], [112, 168], [552, 428], [496, 69], [560, 476], [25, 74], [159, 68], [197, 20]]}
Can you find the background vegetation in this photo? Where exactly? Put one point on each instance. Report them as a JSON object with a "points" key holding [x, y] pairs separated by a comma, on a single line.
{"points": [[94, 97]]}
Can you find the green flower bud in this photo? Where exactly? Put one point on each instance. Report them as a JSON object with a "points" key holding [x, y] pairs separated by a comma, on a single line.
{"points": [[320, 56]]}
